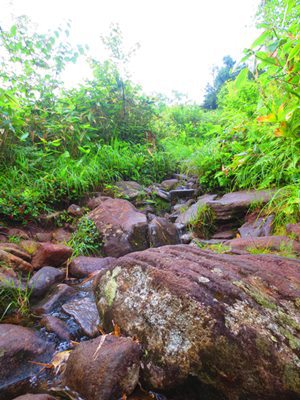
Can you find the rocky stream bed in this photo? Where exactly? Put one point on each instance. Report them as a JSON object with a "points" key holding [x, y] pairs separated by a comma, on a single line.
{"points": [[179, 305]]}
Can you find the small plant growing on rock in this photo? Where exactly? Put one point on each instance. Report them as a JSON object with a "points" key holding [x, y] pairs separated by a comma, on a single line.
{"points": [[86, 239], [203, 224], [14, 297]]}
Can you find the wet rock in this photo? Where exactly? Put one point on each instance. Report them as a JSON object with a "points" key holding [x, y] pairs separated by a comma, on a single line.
{"points": [[20, 346], [30, 396], [256, 226], [54, 299], [294, 229], [104, 368], [51, 254], [61, 236], [81, 267], [275, 243], [183, 193], [122, 227], [169, 184], [44, 279], [190, 214], [85, 313], [75, 211], [57, 326], [231, 321], [129, 189], [162, 232]]}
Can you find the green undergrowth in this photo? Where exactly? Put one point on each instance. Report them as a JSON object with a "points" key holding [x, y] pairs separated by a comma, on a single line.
{"points": [[39, 182], [86, 239], [203, 223], [14, 296]]}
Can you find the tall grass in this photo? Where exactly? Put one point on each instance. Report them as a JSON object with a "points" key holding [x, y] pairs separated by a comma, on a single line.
{"points": [[38, 182]]}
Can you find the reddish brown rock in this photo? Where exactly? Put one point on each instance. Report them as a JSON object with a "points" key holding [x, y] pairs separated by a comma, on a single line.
{"points": [[44, 279], [122, 228], [75, 210], [61, 236], [256, 226], [30, 396], [20, 233], [275, 243], [57, 326], [94, 202], [235, 205], [43, 236], [50, 254], [12, 256], [162, 232], [84, 312], [81, 267], [294, 229], [18, 347], [232, 321], [54, 299], [104, 368]]}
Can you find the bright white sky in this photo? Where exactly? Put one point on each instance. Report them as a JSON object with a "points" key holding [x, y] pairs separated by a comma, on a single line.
{"points": [[180, 39]]}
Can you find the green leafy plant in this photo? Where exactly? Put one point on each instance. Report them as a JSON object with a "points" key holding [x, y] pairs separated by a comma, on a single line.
{"points": [[86, 239], [203, 223], [219, 248], [14, 297]]}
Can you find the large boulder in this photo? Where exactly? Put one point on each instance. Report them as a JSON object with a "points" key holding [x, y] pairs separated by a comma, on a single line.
{"points": [[232, 321], [19, 348], [233, 206], [104, 368], [122, 228], [230, 208]]}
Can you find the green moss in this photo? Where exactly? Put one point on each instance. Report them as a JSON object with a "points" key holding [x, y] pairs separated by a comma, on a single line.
{"points": [[111, 286], [260, 298], [291, 377]]}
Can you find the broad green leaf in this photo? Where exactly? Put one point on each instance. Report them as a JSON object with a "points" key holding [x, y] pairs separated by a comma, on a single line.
{"points": [[241, 78], [261, 39], [13, 30], [294, 51]]}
